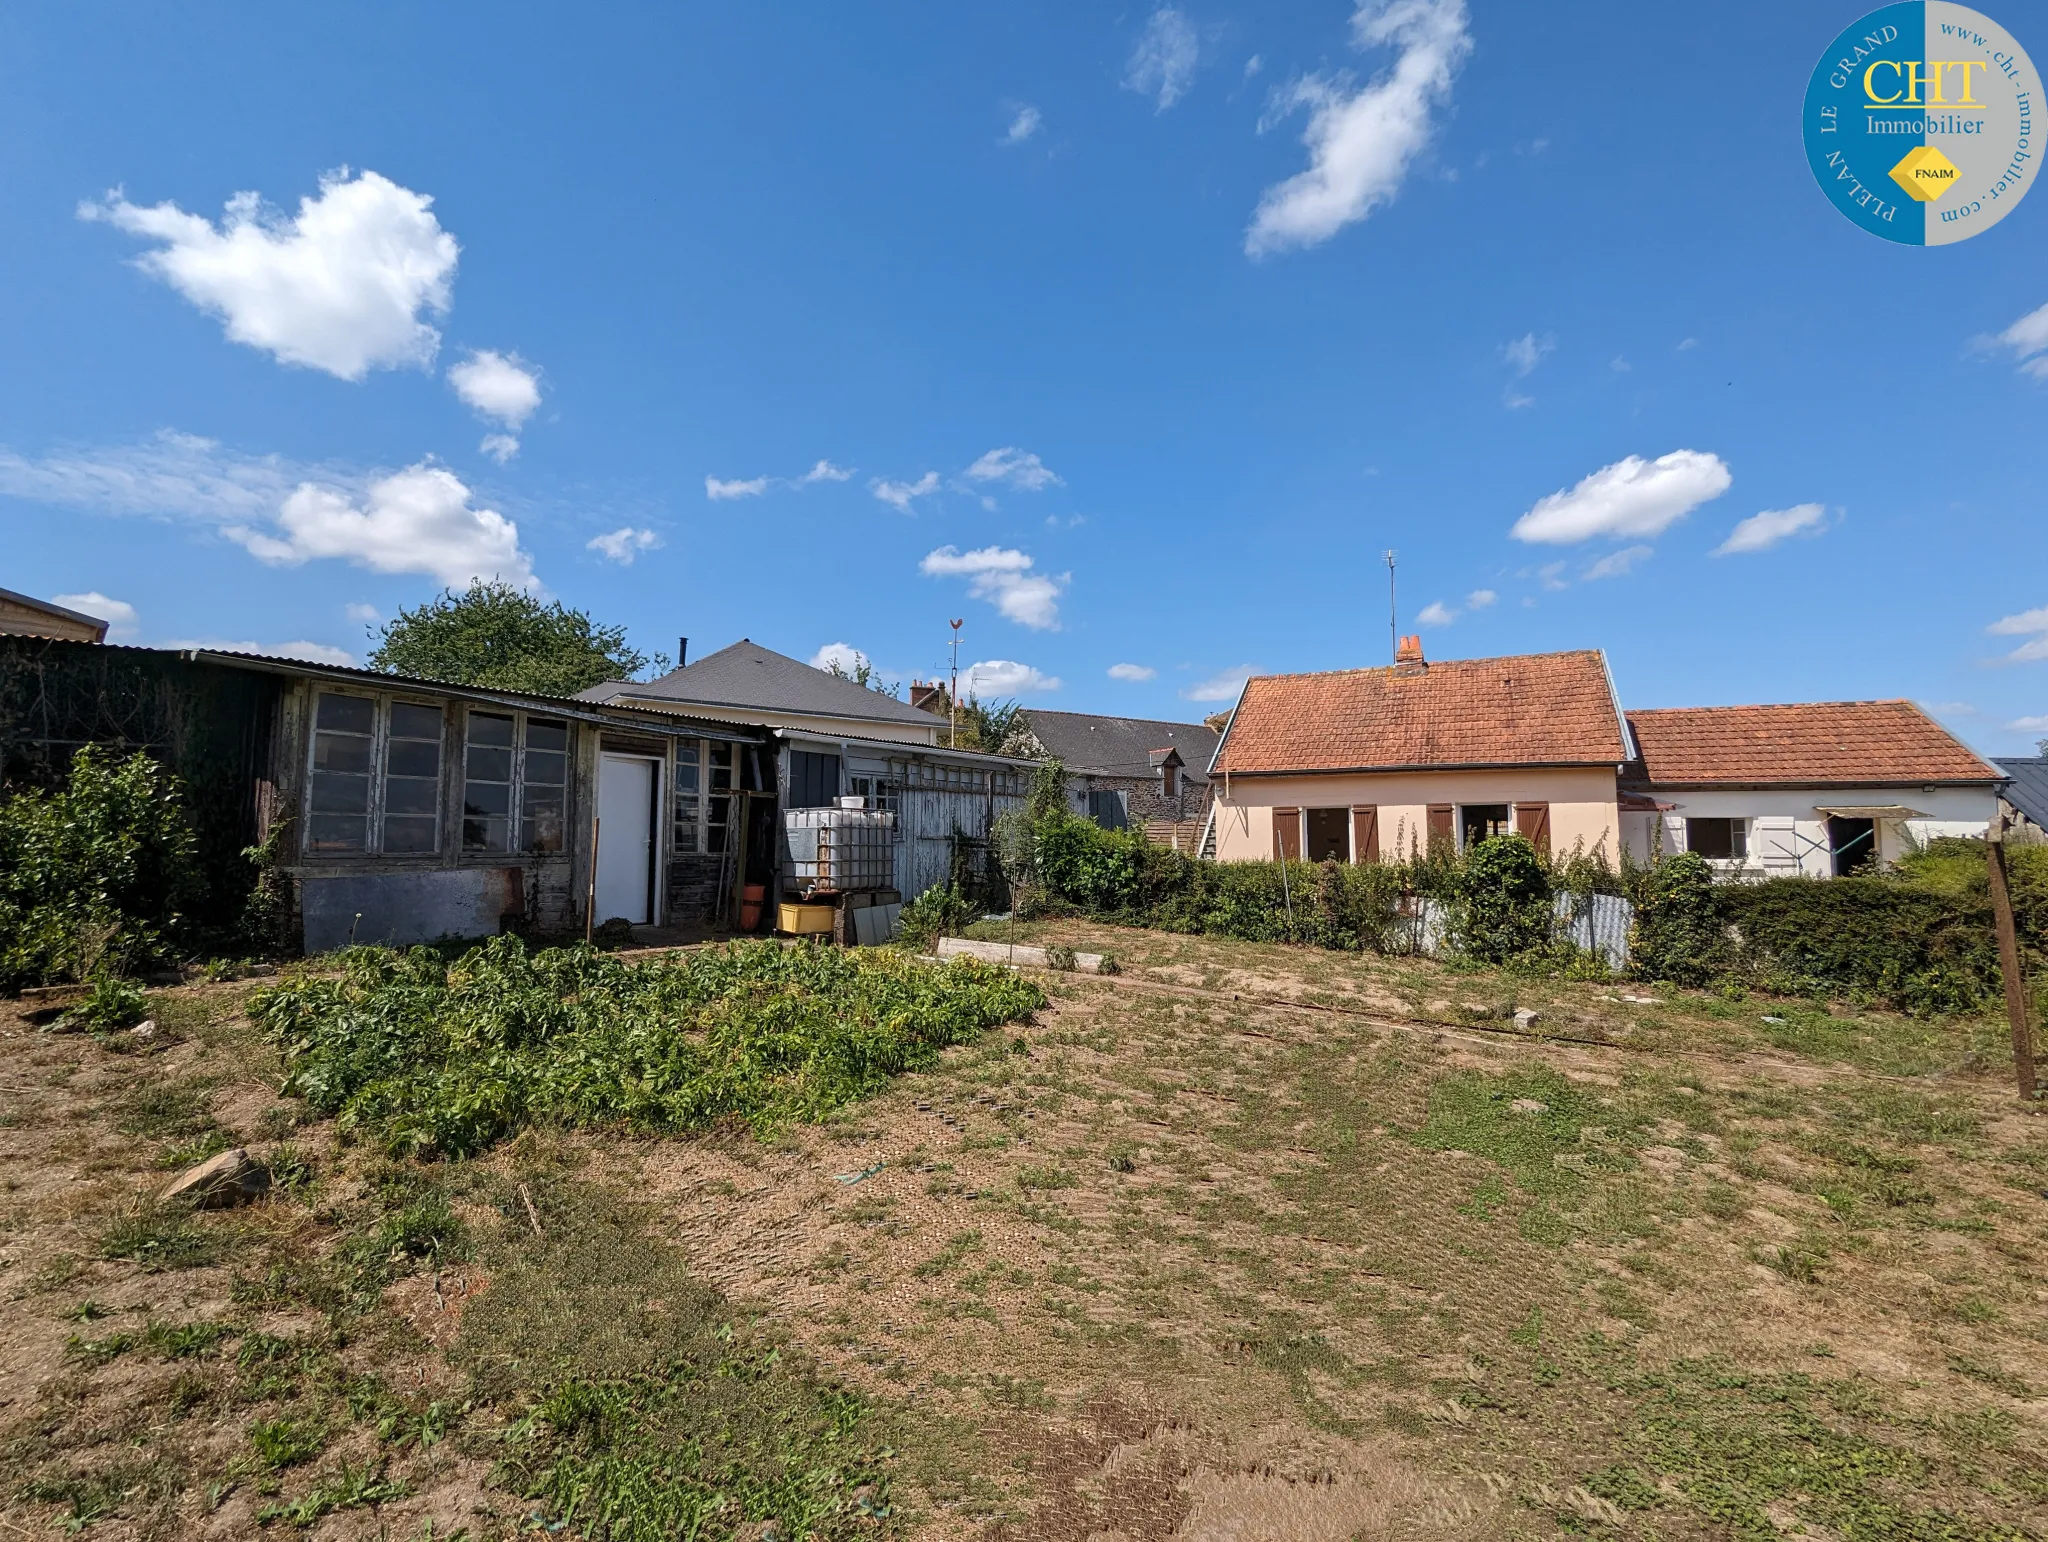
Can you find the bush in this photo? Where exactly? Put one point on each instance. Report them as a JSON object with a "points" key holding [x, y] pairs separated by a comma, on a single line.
{"points": [[1921, 949], [95, 877], [938, 912], [1508, 913], [432, 1056], [1679, 932]]}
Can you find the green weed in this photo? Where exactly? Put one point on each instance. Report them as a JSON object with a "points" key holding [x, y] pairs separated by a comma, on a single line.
{"points": [[159, 1240]]}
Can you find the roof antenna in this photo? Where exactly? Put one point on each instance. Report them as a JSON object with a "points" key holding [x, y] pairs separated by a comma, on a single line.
{"points": [[1393, 614], [953, 691]]}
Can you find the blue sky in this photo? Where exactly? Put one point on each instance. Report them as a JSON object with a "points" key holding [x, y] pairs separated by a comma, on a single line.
{"points": [[1131, 337]]}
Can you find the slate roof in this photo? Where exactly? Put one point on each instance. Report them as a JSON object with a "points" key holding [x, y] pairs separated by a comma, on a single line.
{"points": [[751, 677], [1121, 746], [1533, 709], [1802, 744], [2029, 790]]}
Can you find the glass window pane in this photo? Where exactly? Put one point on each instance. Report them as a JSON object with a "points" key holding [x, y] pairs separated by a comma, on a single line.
{"points": [[686, 779], [413, 757], [409, 833], [346, 714], [335, 832], [485, 834], [489, 765], [489, 728], [548, 767], [337, 794], [341, 752], [410, 720], [411, 795], [546, 734], [686, 752], [492, 798], [543, 829]]}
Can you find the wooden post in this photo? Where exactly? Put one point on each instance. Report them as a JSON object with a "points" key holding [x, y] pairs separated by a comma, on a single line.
{"points": [[590, 896], [2009, 960]]}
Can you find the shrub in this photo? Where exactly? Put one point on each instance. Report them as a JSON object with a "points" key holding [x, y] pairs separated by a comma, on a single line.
{"points": [[1507, 911], [1919, 948], [95, 876], [1679, 934], [448, 1058], [938, 912]]}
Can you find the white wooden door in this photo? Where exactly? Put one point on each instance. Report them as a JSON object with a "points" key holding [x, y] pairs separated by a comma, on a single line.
{"points": [[625, 838]]}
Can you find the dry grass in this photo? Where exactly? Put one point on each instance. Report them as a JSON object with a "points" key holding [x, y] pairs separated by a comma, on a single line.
{"points": [[1172, 1261]]}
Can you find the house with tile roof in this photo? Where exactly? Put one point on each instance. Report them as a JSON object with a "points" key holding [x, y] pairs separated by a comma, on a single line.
{"points": [[1818, 788], [1123, 771], [1362, 765]]}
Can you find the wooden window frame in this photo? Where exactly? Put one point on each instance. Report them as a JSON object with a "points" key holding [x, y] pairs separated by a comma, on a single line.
{"points": [[381, 703], [515, 847]]}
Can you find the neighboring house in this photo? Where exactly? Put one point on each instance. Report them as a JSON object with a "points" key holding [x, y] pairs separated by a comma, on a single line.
{"points": [[1814, 788], [1123, 771], [402, 810], [2026, 795], [836, 739], [22, 616], [1365, 765]]}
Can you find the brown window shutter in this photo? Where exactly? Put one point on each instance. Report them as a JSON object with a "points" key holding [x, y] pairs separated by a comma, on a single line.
{"points": [[1532, 823], [1365, 835], [1442, 827], [1287, 834]]}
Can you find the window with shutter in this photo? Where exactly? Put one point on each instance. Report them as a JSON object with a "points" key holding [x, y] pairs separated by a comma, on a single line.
{"points": [[1365, 835], [1532, 823], [1287, 834], [1443, 827]]}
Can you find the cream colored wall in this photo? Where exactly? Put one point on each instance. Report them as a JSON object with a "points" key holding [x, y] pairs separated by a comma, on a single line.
{"points": [[1788, 835], [831, 727], [1582, 805]]}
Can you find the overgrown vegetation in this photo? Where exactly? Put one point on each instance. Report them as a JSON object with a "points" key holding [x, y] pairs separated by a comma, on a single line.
{"points": [[432, 1056], [95, 877], [496, 635]]}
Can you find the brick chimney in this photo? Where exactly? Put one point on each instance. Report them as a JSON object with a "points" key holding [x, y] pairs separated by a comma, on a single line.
{"points": [[929, 697], [1409, 655]]}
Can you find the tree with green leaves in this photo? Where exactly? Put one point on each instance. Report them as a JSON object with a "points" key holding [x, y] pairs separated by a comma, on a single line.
{"points": [[492, 634]]}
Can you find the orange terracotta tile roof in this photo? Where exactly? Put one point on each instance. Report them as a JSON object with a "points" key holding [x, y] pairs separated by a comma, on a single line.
{"points": [[1535, 709], [1815, 743]]}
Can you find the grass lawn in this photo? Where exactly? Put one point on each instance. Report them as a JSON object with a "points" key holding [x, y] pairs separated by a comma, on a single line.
{"points": [[1247, 1242]]}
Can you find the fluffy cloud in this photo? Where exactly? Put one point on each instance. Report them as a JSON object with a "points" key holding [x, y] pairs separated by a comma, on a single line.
{"points": [[1528, 351], [1760, 532], [500, 447], [1479, 599], [824, 471], [2030, 624], [369, 615], [307, 652], [1015, 468], [1632, 497], [418, 520], [623, 544], [1006, 677], [1221, 687], [845, 655], [2028, 339], [502, 388], [1133, 674], [1003, 577], [119, 615], [340, 287], [899, 495], [1618, 564], [1361, 142], [2029, 724], [721, 492], [1436, 613], [1023, 126], [1163, 64]]}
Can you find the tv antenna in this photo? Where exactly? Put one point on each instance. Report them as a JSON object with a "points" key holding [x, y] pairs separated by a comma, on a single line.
{"points": [[1393, 614], [953, 690]]}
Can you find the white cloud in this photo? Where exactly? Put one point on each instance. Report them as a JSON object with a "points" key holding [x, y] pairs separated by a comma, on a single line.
{"points": [[1133, 674], [1632, 497], [339, 287], [623, 544], [1221, 687], [2028, 339], [1023, 126], [824, 471], [419, 520], [1018, 468], [1362, 142], [119, 615], [1618, 564], [1687, 344], [498, 386], [898, 495], [1163, 64], [718, 491], [1436, 613], [500, 447], [1515, 400], [309, 652], [2029, 724], [845, 655], [2031, 624], [1004, 577], [1479, 599], [369, 615], [1006, 677], [1528, 351], [1253, 65], [1760, 532]]}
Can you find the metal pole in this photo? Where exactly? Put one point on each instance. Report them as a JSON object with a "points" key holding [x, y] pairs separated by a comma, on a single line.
{"points": [[2009, 959], [1393, 616], [953, 691]]}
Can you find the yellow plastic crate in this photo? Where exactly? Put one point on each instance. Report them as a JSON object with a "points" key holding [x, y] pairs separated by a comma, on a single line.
{"points": [[803, 920]]}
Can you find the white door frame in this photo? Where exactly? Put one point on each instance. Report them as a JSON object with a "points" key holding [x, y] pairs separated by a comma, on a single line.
{"points": [[657, 875]]}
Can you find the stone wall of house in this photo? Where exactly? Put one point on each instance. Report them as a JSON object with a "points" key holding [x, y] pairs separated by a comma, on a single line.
{"points": [[1145, 800]]}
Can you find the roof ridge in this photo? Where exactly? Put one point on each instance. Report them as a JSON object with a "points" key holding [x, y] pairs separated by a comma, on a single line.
{"points": [[1377, 669]]}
